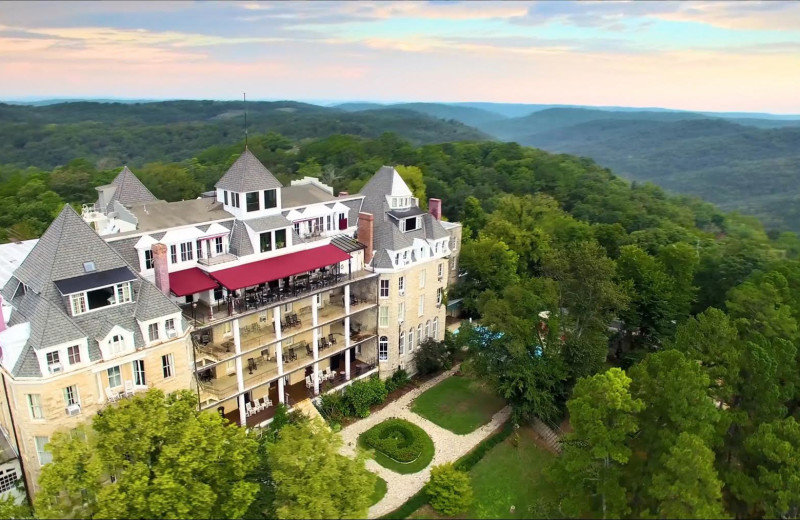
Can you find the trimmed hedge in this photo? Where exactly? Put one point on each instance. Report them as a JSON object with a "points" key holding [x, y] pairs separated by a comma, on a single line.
{"points": [[396, 439]]}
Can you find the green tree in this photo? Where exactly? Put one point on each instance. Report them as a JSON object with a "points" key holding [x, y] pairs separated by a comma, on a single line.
{"points": [[490, 266], [473, 218], [312, 480], [416, 183], [449, 490], [13, 510], [309, 168], [168, 460], [687, 485], [169, 181]]}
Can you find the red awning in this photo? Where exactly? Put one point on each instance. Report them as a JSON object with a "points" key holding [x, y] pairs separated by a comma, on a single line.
{"points": [[279, 267], [190, 281]]}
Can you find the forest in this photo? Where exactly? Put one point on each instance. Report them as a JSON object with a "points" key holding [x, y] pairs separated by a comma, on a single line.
{"points": [[671, 339]]}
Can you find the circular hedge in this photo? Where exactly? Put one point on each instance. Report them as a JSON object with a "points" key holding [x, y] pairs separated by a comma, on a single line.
{"points": [[399, 445]]}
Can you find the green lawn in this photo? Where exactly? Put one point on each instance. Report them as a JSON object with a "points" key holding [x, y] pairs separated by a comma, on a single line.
{"points": [[419, 464], [379, 492], [507, 476], [459, 404]]}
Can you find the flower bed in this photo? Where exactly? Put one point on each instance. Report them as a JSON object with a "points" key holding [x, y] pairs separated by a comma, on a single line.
{"points": [[399, 445]]}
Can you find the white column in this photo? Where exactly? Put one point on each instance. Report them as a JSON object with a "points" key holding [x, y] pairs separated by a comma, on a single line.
{"points": [[347, 299], [237, 348], [347, 348], [276, 316], [315, 342]]}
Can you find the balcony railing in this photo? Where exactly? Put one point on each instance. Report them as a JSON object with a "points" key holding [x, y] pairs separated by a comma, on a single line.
{"points": [[216, 260]]}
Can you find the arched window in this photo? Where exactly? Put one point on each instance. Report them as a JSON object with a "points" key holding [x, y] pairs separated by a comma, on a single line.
{"points": [[117, 344], [402, 343], [383, 349], [411, 339], [427, 329], [419, 334], [436, 328]]}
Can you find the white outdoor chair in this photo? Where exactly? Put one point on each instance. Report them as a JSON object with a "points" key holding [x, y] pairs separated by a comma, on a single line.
{"points": [[267, 402], [248, 409], [260, 404], [111, 395], [309, 383], [128, 388]]}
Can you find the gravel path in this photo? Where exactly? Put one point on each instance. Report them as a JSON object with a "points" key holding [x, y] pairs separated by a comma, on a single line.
{"points": [[449, 446]]}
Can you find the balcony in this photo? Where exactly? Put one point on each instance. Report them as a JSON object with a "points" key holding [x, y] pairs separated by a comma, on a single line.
{"points": [[217, 260]]}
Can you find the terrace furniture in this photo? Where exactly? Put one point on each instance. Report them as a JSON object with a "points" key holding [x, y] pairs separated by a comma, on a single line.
{"points": [[323, 343], [331, 339], [292, 355], [228, 344], [251, 364], [128, 388], [248, 409], [309, 383], [205, 338], [111, 395], [309, 350], [267, 401]]}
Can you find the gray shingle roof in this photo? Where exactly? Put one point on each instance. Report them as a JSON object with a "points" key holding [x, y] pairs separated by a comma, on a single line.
{"points": [[130, 189], [248, 174], [127, 251], [152, 303], [268, 223], [355, 207], [240, 244]]}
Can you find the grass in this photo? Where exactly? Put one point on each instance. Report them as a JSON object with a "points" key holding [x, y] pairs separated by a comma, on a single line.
{"points": [[458, 404], [379, 492], [425, 457], [506, 476]]}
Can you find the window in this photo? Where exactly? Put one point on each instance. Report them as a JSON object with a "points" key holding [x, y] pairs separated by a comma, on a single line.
{"points": [[419, 334], [199, 249], [421, 305], [427, 329], [117, 344], [410, 224], [401, 312], [53, 361], [383, 349], [401, 285], [234, 199], [436, 328], [35, 406], [218, 245], [266, 241], [173, 253], [78, 303], [169, 326], [441, 272], [397, 258], [453, 264], [45, 456], [74, 354], [270, 199], [384, 288], [114, 377], [225, 196], [422, 279], [411, 339], [8, 480], [186, 252], [148, 259], [297, 227], [168, 365], [280, 238], [402, 343], [152, 331], [71, 395], [439, 296], [138, 373], [251, 200], [124, 292], [383, 316]]}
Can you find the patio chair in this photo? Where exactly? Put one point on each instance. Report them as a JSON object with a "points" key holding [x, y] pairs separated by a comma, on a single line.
{"points": [[260, 405], [309, 350], [205, 338], [292, 355], [323, 343], [111, 395], [248, 409], [267, 402], [331, 339], [128, 388], [309, 383]]}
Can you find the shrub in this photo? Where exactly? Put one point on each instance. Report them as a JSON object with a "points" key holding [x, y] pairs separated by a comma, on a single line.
{"points": [[390, 385], [400, 378], [364, 393], [432, 356], [334, 407], [397, 439], [449, 490]]}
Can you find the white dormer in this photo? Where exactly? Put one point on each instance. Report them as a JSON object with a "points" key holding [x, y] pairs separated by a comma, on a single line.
{"points": [[63, 358], [248, 189], [117, 342]]}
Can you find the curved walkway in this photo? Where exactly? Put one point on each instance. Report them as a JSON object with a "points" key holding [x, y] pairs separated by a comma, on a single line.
{"points": [[449, 446]]}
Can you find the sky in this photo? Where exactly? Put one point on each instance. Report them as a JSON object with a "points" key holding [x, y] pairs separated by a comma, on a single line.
{"points": [[711, 56]]}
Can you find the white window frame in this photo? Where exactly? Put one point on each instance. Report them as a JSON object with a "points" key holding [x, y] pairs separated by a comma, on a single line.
{"points": [[401, 285], [422, 277], [383, 316], [187, 251], [419, 334], [401, 344], [421, 305], [139, 376], [114, 373], [401, 312], [71, 395], [152, 332], [384, 288], [218, 247], [116, 345], [411, 340], [78, 303], [168, 365], [169, 325], [441, 272], [53, 358], [35, 405], [44, 456], [120, 293], [427, 329], [173, 253], [439, 296], [77, 350], [436, 328], [383, 349], [123, 293]]}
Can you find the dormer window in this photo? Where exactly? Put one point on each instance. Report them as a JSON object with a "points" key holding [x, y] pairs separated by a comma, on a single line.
{"points": [[94, 299], [410, 224], [270, 199], [251, 199], [116, 345]]}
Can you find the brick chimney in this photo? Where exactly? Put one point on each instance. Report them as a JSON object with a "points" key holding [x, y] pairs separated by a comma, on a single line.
{"points": [[344, 194], [160, 267], [365, 227], [435, 208]]}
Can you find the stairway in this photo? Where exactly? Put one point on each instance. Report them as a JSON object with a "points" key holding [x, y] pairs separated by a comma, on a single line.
{"points": [[550, 438], [306, 406]]}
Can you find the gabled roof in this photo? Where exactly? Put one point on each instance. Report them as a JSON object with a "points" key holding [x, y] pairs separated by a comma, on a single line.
{"points": [[240, 244], [130, 189], [62, 251], [248, 174], [262, 224]]}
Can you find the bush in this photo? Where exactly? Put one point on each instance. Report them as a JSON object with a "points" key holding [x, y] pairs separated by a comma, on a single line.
{"points": [[397, 439], [432, 356], [449, 490], [398, 380], [334, 407], [364, 393]]}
